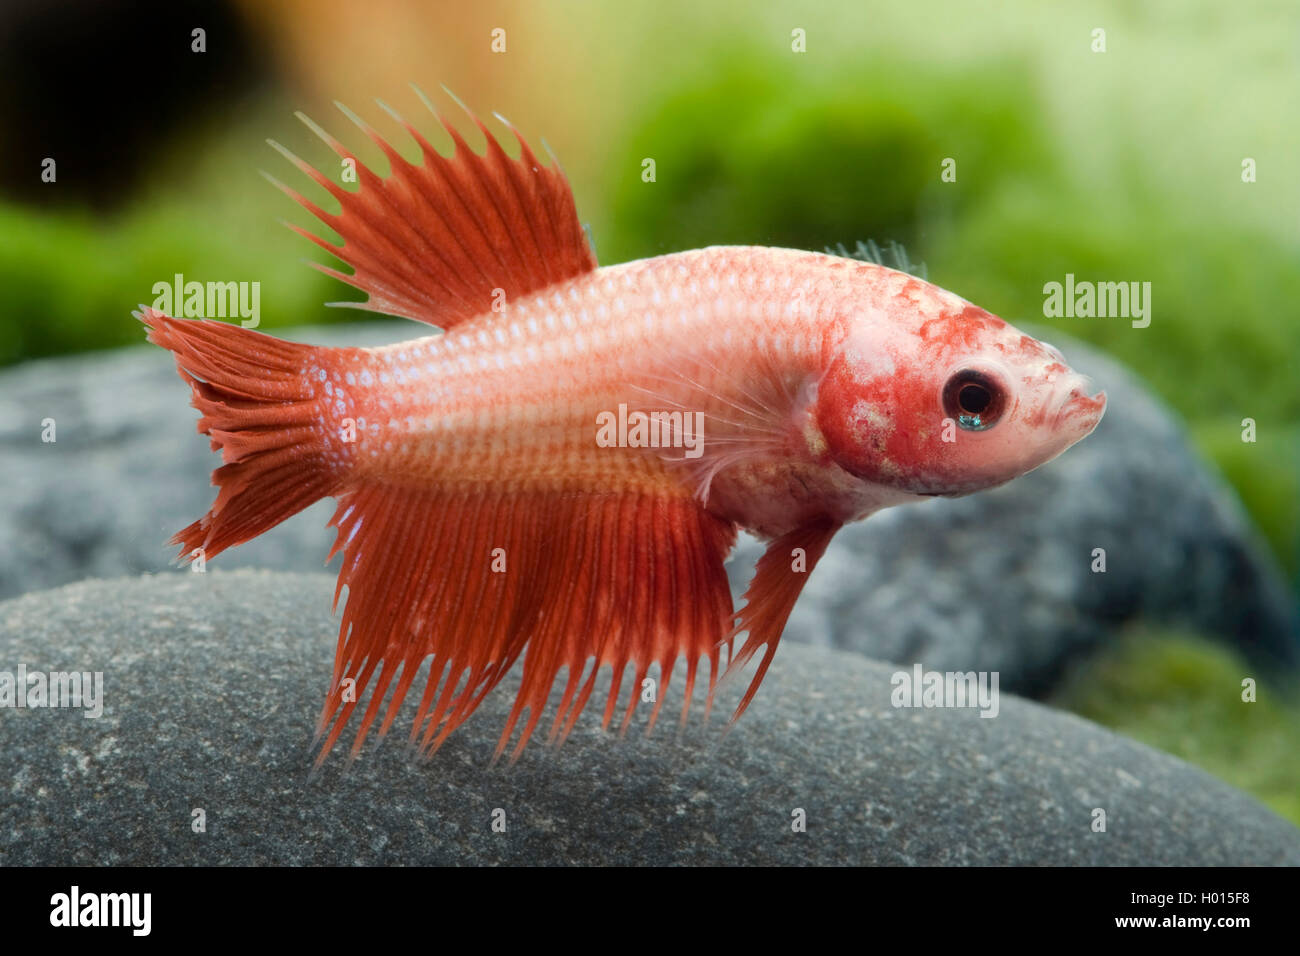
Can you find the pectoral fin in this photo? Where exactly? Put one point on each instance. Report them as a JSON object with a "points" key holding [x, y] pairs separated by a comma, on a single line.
{"points": [[779, 578]]}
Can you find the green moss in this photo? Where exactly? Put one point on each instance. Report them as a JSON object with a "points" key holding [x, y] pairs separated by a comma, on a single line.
{"points": [[1182, 694]]}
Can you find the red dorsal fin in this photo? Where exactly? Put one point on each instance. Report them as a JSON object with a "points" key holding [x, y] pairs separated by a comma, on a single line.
{"points": [[434, 241], [779, 577], [471, 578]]}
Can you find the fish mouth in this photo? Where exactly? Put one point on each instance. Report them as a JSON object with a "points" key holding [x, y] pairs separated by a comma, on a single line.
{"points": [[1079, 411]]}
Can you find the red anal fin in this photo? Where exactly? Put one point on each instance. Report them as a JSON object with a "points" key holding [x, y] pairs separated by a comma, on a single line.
{"points": [[434, 242], [258, 409], [473, 578], [778, 580]]}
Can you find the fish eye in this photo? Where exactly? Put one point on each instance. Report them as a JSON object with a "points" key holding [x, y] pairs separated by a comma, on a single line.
{"points": [[973, 399]]}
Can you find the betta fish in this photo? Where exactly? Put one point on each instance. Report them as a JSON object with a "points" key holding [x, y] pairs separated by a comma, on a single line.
{"points": [[559, 472]]}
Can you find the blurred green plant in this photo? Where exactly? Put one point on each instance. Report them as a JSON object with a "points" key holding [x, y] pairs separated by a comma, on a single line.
{"points": [[72, 280], [743, 155], [1266, 474], [1182, 694], [72, 284]]}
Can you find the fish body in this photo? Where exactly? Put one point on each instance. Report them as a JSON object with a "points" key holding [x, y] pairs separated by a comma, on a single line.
{"points": [[515, 397], [564, 468]]}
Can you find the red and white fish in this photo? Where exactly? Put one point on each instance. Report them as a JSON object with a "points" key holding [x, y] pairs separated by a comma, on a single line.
{"points": [[562, 470]]}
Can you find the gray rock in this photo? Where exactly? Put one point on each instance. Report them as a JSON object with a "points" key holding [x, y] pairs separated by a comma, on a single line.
{"points": [[212, 683], [998, 581]]}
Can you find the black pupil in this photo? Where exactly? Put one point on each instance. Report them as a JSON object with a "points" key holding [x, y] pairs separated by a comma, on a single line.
{"points": [[974, 399]]}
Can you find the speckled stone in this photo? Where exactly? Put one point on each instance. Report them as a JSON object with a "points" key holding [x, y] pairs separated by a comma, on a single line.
{"points": [[212, 684]]}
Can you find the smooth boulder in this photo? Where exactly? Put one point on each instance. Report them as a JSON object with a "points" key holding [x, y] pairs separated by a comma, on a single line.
{"points": [[211, 685]]}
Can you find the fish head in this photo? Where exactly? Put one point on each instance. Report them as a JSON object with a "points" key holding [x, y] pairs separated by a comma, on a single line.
{"points": [[934, 396]]}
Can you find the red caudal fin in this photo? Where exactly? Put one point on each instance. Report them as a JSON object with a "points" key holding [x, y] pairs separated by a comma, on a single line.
{"points": [[465, 578], [444, 240], [779, 577], [258, 407]]}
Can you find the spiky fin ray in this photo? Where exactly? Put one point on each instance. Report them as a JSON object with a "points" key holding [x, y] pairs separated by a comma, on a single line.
{"points": [[434, 242], [607, 579]]}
